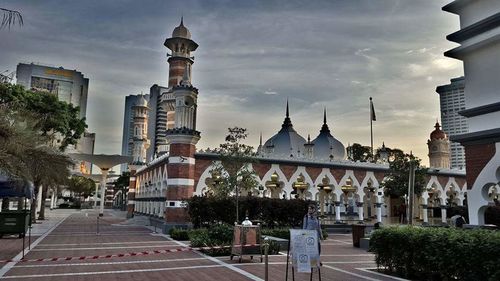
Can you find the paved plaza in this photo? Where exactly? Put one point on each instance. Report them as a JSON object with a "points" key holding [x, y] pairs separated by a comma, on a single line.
{"points": [[126, 252]]}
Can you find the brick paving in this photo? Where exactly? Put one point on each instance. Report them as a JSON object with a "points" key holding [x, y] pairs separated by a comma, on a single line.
{"points": [[77, 236]]}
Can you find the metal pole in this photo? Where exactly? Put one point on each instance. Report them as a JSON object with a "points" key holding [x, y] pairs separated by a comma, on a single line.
{"points": [[266, 251], [411, 191], [371, 130], [97, 225]]}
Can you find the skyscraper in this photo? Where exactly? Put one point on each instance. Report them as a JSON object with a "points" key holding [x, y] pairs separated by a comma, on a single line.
{"points": [[452, 100], [69, 86]]}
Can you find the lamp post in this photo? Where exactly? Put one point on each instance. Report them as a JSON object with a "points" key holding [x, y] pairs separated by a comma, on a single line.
{"points": [[300, 185], [346, 189], [325, 188]]}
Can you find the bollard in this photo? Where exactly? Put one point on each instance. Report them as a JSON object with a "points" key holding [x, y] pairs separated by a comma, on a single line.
{"points": [[266, 258]]}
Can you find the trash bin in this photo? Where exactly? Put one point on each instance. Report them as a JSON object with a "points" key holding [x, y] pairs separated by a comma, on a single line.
{"points": [[358, 232], [14, 222]]}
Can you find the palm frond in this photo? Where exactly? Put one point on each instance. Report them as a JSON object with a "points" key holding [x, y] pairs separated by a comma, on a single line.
{"points": [[10, 17]]}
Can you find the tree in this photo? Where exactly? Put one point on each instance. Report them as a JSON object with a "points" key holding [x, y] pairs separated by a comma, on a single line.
{"points": [[358, 152], [121, 184], [233, 166], [10, 17], [45, 167], [57, 120], [82, 186], [396, 182]]}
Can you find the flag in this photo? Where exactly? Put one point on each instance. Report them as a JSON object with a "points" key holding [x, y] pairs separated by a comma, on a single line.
{"points": [[372, 111]]}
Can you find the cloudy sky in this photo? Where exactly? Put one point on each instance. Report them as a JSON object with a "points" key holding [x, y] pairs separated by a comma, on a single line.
{"points": [[254, 55]]}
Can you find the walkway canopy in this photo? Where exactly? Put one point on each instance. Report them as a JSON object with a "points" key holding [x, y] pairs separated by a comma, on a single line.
{"points": [[15, 188]]}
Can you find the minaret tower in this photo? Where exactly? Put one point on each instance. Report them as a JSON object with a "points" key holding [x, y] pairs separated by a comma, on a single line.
{"points": [[439, 148], [181, 46], [181, 162], [140, 144], [179, 59], [140, 139]]}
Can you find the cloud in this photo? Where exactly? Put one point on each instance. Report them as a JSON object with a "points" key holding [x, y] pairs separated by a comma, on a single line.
{"points": [[251, 56]]}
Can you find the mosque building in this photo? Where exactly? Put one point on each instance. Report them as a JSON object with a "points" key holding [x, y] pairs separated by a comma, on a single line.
{"points": [[288, 165]]}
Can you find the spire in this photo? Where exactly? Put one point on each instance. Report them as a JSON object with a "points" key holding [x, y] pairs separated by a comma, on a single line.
{"points": [[287, 123], [324, 128], [182, 21], [260, 142], [287, 111], [308, 138]]}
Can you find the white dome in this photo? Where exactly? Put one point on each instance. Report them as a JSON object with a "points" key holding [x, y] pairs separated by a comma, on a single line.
{"points": [[326, 146], [287, 142]]}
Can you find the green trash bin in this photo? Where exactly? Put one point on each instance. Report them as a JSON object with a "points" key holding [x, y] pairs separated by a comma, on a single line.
{"points": [[14, 222], [358, 232]]}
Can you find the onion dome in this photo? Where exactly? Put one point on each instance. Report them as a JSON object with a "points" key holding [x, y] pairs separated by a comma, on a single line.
{"points": [[326, 146], [141, 102], [438, 133], [181, 31], [287, 142]]}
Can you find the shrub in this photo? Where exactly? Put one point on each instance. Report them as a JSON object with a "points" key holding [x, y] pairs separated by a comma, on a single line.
{"points": [[205, 211], [219, 236], [179, 234], [438, 253]]}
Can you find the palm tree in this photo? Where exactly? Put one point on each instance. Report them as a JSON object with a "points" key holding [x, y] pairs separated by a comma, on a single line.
{"points": [[10, 17], [46, 167]]}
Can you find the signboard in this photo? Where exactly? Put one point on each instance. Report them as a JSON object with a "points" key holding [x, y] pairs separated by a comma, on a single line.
{"points": [[304, 249]]}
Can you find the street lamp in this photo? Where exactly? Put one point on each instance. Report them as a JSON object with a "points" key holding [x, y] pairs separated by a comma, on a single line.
{"points": [[301, 185], [346, 189], [324, 188]]}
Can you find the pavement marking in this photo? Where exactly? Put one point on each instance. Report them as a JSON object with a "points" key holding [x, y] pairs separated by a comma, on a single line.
{"points": [[19, 256], [106, 243], [351, 273], [109, 272], [367, 269], [349, 255], [226, 265], [100, 234], [104, 248], [341, 241], [107, 263]]}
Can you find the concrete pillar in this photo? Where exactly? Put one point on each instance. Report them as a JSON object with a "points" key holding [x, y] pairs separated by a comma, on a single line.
{"points": [[360, 211], [443, 214], [38, 200], [53, 200], [425, 215], [95, 195], [337, 211], [379, 211], [104, 173]]}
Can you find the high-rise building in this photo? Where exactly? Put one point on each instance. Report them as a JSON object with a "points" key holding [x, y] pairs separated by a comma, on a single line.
{"points": [[128, 133], [452, 100], [68, 85]]}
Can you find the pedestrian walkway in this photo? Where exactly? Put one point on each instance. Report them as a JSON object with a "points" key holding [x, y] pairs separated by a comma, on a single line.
{"points": [[108, 249]]}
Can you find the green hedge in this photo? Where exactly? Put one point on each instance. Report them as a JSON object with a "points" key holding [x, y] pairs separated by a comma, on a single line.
{"points": [[205, 211], [438, 253]]}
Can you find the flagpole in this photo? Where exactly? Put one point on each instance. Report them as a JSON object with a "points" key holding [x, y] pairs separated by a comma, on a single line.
{"points": [[371, 128]]}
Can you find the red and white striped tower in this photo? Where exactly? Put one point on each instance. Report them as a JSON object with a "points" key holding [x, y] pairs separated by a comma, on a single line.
{"points": [[181, 163], [141, 143], [181, 46]]}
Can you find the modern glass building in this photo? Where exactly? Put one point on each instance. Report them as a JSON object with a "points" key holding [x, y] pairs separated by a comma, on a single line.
{"points": [[68, 85], [452, 101]]}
